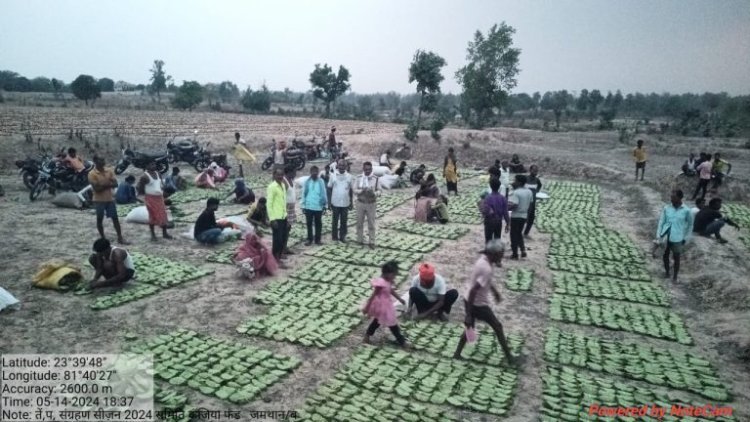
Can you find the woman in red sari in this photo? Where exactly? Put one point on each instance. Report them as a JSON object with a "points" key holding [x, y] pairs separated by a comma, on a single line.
{"points": [[263, 261]]}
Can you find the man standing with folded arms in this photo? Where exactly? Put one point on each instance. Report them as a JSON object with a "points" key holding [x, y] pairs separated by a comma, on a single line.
{"points": [[276, 206], [366, 188], [341, 199]]}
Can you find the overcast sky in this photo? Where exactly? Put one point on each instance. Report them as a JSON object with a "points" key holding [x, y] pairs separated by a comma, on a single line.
{"points": [[634, 45]]}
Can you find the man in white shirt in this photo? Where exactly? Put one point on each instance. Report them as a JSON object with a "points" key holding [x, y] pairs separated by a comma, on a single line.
{"points": [[430, 294], [519, 203], [504, 178], [342, 194], [279, 155], [366, 188]]}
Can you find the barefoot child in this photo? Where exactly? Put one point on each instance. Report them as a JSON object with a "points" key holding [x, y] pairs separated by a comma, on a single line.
{"points": [[380, 305]]}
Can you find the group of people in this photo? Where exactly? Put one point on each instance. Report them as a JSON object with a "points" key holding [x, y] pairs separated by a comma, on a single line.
{"points": [[430, 295], [677, 223], [708, 167]]}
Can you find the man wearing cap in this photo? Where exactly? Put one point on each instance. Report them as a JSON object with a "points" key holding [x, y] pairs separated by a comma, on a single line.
{"points": [[429, 293], [476, 296]]}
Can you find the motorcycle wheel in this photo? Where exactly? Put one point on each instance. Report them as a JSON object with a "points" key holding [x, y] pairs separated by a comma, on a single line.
{"points": [[121, 167], [267, 163], [29, 179], [200, 165], [162, 167], [37, 190], [300, 163]]}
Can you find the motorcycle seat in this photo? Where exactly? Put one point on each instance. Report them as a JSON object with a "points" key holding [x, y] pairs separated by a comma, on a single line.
{"points": [[150, 155]]}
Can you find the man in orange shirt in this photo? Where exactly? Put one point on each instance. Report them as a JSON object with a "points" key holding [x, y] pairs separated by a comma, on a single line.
{"points": [[102, 182]]}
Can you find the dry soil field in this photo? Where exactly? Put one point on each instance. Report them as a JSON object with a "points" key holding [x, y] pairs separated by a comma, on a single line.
{"points": [[710, 301]]}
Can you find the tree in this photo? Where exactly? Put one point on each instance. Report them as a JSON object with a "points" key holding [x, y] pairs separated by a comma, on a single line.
{"points": [[595, 98], [582, 103], [259, 101], [106, 85], [425, 69], [57, 87], [211, 92], [159, 79], [365, 107], [328, 86], [85, 88], [490, 73], [41, 84], [189, 95], [228, 92], [557, 102]]}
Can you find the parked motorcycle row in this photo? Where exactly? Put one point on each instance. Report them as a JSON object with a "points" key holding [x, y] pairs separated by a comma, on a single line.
{"points": [[47, 172]]}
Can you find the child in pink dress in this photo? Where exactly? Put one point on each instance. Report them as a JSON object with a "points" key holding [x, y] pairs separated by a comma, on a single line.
{"points": [[380, 305]]}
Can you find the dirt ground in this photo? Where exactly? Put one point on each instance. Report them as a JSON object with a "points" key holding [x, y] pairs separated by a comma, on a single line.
{"points": [[711, 296]]}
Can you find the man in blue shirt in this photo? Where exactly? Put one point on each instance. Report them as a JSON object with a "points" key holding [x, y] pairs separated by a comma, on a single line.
{"points": [[676, 223], [126, 192], [314, 204]]}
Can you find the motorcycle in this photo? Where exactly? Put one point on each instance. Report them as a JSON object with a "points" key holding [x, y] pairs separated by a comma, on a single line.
{"points": [[295, 159], [204, 158], [184, 150], [140, 160], [54, 176], [29, 171], [311, 149]]}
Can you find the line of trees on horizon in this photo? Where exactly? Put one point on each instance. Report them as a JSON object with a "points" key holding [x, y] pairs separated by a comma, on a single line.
{"points": [[487, 80]]}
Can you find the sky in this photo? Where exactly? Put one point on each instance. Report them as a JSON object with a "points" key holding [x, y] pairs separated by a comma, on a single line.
{"points": [[633, 45]]}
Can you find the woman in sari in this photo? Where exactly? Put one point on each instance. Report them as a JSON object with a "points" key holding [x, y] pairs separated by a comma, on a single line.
{"points": [[426, 195], [206, 179], [263, 261]]}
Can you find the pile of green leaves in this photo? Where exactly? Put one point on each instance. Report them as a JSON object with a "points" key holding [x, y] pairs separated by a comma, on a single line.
{"points": [[566, 225], [623, 316], [335, 272], [152, 274], [356, 255], [441, 339], [407, 242], [299, 324], [123, 296], [574, 264], [193, 194], [519, 280], [341, 400], [640, 362], [465, 219], [388, 201], [339, 299], [740, 214], [229, 371], [438, 231], [163, 272], [567, 394], [610, 288], [573, 208], [429, 379], [598, 244], [169, 398], [222, 256]]}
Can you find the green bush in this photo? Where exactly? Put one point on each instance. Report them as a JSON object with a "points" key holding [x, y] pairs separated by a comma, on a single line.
{"points": [[411, 132], [435, 127]]}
